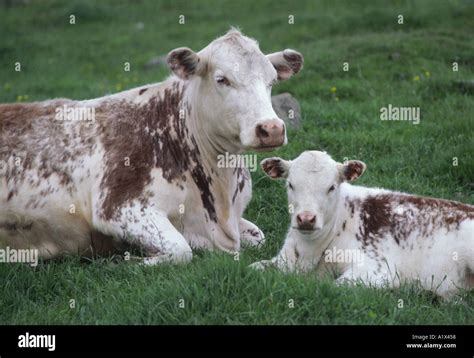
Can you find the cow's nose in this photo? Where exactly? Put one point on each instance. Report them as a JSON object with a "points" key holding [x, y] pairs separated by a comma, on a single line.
{"points": [[306, 220], [271, 133]]}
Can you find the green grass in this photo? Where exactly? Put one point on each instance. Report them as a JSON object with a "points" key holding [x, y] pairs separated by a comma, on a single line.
{"points": [[86, 61]]}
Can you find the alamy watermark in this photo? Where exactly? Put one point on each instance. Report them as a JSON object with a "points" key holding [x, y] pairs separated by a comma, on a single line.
{"points": [[28, 340], [10, 255], [76, 113], [229, 160], [335, 255], [392, 113]]}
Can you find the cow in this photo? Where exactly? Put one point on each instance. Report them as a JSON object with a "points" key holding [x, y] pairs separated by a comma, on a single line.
{"points": [[370, 235], [140, 165]]}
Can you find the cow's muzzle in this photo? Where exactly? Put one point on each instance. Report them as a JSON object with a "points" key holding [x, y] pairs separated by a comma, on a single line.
{"points": [[271, 133], [306, 221]]}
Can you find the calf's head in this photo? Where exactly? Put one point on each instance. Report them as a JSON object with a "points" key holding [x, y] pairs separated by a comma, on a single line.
{"points": [[232, 80], [313, 184]]}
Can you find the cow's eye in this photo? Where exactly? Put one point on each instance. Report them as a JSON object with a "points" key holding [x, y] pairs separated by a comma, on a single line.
{"points": [[223, 81], [290, 186], [331, 188]]}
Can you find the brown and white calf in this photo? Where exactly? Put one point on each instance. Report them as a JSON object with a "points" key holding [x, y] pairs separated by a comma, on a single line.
{"points": [[370, 234], [143, 167]]}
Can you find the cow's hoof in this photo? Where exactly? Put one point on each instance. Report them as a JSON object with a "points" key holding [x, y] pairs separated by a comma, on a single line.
{"points": [[252, 237], [346, 281], [261, 265], [183, 257]]}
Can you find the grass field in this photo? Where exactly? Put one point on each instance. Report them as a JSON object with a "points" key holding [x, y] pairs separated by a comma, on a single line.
{"points": [[403, 65]]}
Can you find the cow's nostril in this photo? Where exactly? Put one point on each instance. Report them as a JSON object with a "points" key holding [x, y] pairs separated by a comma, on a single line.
{"points": [[262, 132], [306, 220], [271, 133]]}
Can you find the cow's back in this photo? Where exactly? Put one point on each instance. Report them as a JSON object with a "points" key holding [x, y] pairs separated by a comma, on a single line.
{"points": [[44, 174], [420, 237]]}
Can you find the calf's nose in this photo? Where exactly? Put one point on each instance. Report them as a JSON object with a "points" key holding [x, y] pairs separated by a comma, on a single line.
{"points": [[271, 133], [306, 220]]}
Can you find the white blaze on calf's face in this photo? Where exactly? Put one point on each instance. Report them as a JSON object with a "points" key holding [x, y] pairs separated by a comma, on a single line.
{"points": [[234, 80], [313, 185]]}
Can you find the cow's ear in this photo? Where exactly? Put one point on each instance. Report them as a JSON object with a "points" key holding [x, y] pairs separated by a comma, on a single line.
{"points": [[287, 63], [352, 170], [275, 168], [184, 62]]}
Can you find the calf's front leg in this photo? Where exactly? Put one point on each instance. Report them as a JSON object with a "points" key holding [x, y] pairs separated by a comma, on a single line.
{"points": [[294, 256]]}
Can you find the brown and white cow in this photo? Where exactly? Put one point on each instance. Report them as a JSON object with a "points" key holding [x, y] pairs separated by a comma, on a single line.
{"points": [[143, 167], [374, 235]]}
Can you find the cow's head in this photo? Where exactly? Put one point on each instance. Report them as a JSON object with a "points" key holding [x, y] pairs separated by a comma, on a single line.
{"points": [[232, 80], [313, 184]]}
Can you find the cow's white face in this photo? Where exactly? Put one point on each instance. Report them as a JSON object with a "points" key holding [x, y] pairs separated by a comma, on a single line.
{"points": [[233, 79], [313, 184]]}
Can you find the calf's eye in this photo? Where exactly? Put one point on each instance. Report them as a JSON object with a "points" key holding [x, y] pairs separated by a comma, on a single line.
{"points": [[331, 188], [223, 81], [290, 186]]}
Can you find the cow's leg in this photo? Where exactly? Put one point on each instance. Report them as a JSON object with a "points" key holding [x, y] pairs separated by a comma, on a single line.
{"points": [[152, 232], [250, 234], [294, 256], [368, 276], [285, 260]]}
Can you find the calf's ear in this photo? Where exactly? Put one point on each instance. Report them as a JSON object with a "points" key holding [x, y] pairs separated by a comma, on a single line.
{"points": [[275, 168], [287, 63], [352, 170], [184, 62]]}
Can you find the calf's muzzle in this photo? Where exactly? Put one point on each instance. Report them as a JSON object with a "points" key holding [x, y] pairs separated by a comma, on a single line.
{"points": [[306, 220]]}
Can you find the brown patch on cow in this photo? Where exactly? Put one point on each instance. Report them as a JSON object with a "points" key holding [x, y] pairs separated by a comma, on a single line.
{"points": [[18, 118], [380, 216], [16, 225], [375, 215], [142, 91], [203, 182], [297, 254], [154, 135], [16, 139], [32, 139], [242, 177], [449, 214], [351, 204], [251, 232]]}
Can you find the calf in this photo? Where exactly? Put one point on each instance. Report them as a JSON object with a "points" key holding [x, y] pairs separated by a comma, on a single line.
{"points": [[142, 165], [370, 234]]}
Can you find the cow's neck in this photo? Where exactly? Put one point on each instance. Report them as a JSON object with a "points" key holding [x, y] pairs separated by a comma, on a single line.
{"points": [[210, 146], [347, 210], [330, 234]]}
